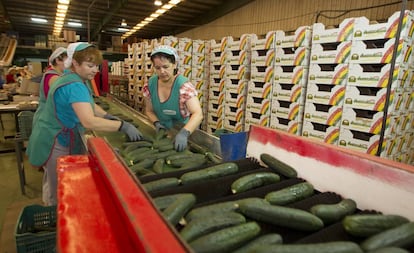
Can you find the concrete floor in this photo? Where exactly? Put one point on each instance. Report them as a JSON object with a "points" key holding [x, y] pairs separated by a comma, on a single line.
{"points": [[12, 200]]}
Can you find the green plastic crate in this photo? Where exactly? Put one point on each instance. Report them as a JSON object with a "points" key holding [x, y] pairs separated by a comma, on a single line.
{"points": [[36, 229]]}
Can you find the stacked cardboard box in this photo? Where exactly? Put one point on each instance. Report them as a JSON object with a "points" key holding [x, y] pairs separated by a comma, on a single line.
{"points": [[371, 95], [291, 68], [261, 80], [328, 71]]}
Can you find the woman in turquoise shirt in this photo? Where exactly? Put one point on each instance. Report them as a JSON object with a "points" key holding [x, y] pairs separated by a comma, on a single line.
{"points": [[170, 98], [68, 111]]}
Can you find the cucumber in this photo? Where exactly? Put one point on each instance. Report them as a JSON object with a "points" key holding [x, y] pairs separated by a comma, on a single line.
{"points": [[400, 236], [163, 183], [212, 172], [193, 164], [158, 166], [135, 144], [254, 180], [330, 213], [389, 250], [208, 224], [290, 194], [267, 239], [139, 171], [226, 239], [166, 147], [163, 202], [364, 225], [281, 216], [163, 142], [278, 166], [142, 155], [212, 157], [180, 155], [136, 151], [324, 247], [145, 164], [162, 133], [177, 210], [212, 209], [185, 160], [160, 154]]}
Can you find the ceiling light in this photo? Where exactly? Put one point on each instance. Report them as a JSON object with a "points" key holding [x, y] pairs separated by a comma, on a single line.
{"points": [[157, 3], [167, 6], [76, 24], [39, 20], [154, 15], [160, 11], [121, 29], [174, 1], [64, 1], [62, 7], [123, 22]]}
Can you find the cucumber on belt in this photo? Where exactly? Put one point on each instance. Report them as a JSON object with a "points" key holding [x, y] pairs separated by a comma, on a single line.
{"points": [[163, 183], [254, 180], [290, 194], [212, 209], [401, 236], [226, 239], [324, 247], [364, 225], [281, 216], [177, 210], [212, 172], [267, 239], [330, 213], [278, 166]]}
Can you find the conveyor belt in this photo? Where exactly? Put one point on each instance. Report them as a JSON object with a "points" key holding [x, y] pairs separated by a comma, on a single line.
{"points": [[218, 190]]}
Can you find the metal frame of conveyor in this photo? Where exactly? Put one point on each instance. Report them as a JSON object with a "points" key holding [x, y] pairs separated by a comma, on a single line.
{"points": [[102, 208]]}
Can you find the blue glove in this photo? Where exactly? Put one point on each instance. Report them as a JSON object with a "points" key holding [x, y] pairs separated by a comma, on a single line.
{"points": [[110, 117], [159, 126], [132, 132], [181, 138]]}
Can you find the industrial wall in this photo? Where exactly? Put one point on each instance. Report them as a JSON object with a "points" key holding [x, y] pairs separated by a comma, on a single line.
{"points": [[262, 16]]}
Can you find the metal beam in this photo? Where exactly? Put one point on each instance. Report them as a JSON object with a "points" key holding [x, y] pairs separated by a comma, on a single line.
{"points": [[119, 4]]}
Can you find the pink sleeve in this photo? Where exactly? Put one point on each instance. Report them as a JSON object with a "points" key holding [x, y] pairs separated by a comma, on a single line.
{"points": [[46, 86]]}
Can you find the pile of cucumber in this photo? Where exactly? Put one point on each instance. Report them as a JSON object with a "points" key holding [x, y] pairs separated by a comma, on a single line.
{"points": [[156, 155], [242, 225]]}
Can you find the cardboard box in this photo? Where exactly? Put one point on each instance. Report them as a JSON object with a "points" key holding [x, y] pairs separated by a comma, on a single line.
{"points": [[259, 89], [198, 60], [235, 57], [364, 29], [321, 132], [335, 74], [289, 92], [199, 46], [286, 109], [292, 57], [213, 126], [185, 45], [360, 141], [326, 94], [344, 32], [297, 75], [215, 93], [235, 85], [287, 125], [258, 105], [367, 121], [235, 99], [234, 71], [372, 98], [263, 42], [242, 43], [264, 57], [301, 37], [258, 119], [376, 51], [262, 74], [325, 114], [373, 75], [329, 53], [233, 125]]}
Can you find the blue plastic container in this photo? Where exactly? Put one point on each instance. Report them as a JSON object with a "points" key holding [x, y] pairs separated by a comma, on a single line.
{"points": [[233, 146]]}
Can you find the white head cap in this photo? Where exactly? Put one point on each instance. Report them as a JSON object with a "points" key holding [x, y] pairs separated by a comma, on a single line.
{"points": [[72, 48], [58, 51], [166, 50]]}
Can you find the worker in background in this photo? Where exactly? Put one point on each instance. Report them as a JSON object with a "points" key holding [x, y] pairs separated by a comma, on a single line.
{"points": [[68, 111], [53, 71], [170, 98]]}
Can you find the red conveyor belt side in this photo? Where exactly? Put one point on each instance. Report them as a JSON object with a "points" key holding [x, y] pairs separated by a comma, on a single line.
{"points": [[101, 208]]}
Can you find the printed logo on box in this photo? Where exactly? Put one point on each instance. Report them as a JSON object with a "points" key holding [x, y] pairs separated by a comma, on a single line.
{"points": [[343, 33], [326, 133], [329, 73], [325, 93]]}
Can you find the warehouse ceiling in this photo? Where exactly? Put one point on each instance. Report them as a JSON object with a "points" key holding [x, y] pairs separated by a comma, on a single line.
{"points": [[103, 17]]}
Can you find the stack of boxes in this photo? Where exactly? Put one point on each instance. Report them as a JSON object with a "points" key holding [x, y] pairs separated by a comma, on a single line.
{"points": [[185, 51], [260, 85], [200, 74], [235, 70], [136, 73], [216, 89], [290, 79], [327, 80], [366, 93]]}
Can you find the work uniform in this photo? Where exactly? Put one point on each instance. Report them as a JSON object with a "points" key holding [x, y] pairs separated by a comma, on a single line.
{"points": [[57, 130], [172, 111], [42, 92]]}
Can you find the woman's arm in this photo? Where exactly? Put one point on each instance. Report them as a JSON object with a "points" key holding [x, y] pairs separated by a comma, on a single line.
{"points": [[193, 105], [149, 111], [88, 119]]}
